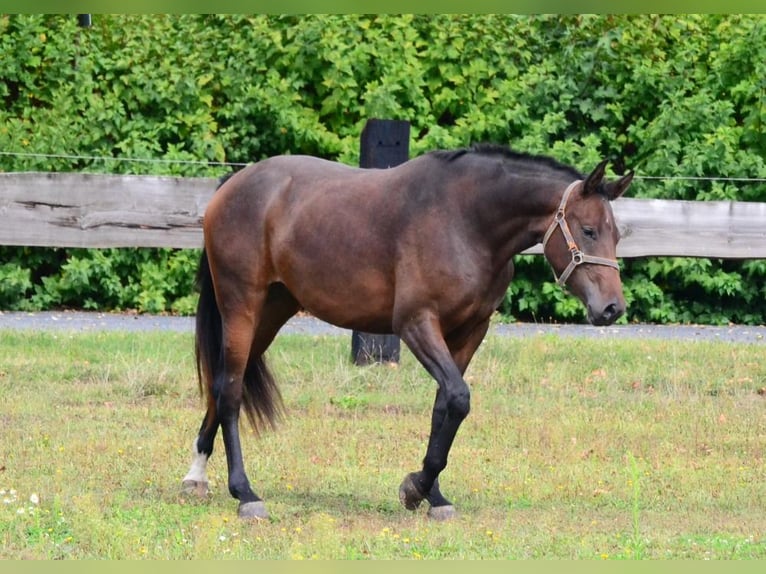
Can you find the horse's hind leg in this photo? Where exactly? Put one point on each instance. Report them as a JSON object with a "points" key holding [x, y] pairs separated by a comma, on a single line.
{"points": [[278, 308], [208, 352], [195, 481], [230, 345], [238, 334]]}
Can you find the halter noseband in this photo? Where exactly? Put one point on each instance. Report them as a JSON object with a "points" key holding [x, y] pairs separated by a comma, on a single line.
{"points": [[578, 257]]}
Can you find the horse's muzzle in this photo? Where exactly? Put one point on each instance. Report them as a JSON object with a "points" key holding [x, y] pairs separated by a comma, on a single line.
{"points": [[607, 315]]}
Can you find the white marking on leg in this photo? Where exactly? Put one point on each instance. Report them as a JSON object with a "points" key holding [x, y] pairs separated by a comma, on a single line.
{"points": [[198, 470]]}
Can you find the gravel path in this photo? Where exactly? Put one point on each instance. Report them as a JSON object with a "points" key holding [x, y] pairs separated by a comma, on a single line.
{"points": [[85, 321]]}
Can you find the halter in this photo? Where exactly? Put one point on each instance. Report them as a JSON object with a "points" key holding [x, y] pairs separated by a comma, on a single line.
{"points": [[578, 257]]}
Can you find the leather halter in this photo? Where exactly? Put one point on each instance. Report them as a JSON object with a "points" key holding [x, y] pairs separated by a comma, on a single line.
{"points": [[578, 257]]}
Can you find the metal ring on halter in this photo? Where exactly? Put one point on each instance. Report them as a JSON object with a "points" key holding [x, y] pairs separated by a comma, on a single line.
{"points": [[578, 257]]}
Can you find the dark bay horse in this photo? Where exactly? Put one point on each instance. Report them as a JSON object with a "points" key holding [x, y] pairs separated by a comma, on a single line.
{"points": [[422, 250]]}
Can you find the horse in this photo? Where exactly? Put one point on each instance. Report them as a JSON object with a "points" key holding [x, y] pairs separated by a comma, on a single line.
{"points": [[423, 250]]}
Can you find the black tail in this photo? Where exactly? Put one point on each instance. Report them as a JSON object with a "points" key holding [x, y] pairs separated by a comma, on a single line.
{"points": [[261, 399], [208, 337]]}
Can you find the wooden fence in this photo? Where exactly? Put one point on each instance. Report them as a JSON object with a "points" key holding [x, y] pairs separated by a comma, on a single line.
{"points": [[82, 210]]}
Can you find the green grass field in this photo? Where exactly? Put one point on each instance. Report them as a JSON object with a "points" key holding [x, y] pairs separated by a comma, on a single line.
{"points": [[574, 449]]}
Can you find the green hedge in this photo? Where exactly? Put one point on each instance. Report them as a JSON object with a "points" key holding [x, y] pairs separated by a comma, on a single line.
{"points": [[664, 95]]}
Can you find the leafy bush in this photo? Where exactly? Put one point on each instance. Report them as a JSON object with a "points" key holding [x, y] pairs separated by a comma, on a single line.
{"points": [[184, 94]]}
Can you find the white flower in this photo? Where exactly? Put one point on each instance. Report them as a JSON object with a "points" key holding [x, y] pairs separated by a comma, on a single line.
{"points": [[34, 499]]}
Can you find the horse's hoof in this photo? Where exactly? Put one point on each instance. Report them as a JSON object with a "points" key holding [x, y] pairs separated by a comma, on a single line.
{"points": [[195, 487], [256, 510], [442, 513], [409, 495]]}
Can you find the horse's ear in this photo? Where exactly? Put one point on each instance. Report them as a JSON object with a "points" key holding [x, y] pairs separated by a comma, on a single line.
{"points": [[615, 189], [594, 179]]}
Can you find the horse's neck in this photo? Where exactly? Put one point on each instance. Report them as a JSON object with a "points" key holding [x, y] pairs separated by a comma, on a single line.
{"points": [[517, 213]]}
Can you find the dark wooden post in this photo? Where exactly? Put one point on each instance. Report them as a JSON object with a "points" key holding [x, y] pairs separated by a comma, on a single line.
{"points": [[384, 144]]}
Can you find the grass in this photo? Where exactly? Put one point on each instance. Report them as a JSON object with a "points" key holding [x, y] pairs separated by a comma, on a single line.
{"points": [[574, 448]]}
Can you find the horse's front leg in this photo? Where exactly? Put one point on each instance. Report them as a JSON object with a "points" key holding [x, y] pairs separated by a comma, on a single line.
{"points": [[415, 486], [444, 425], [451, 406]]}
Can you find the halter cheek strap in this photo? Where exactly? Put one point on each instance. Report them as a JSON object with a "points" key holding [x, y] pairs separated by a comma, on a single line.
{"points": [[578, 257]]}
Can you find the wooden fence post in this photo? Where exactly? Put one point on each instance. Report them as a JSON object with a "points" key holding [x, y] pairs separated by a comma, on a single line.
{"points": [[384, 144]]}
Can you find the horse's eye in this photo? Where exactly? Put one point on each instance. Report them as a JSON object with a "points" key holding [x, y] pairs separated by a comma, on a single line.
{"points": [[590, 233]]}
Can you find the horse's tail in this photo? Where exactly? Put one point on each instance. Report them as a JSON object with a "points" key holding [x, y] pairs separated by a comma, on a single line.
{"points": [[261, 399], [208, 337]]}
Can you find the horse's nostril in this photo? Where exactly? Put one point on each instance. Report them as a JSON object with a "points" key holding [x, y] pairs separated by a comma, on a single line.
{"points": [[611, 313]]}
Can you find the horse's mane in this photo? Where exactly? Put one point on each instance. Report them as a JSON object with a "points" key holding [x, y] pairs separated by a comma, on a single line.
{"points": [[530, 160]]}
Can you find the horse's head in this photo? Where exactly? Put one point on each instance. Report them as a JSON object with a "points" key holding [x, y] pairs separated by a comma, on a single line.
{"points": [[581, 245]]}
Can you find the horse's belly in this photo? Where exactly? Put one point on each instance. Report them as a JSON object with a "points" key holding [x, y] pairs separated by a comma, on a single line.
{"points": [[361, 301]]}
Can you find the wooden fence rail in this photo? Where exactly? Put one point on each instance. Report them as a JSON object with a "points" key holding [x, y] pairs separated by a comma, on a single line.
{"points": [[89, 210]]}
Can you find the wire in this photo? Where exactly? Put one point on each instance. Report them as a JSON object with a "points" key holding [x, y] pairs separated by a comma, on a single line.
{"points": [[703, 178], [234, 164], [125, 159]]}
